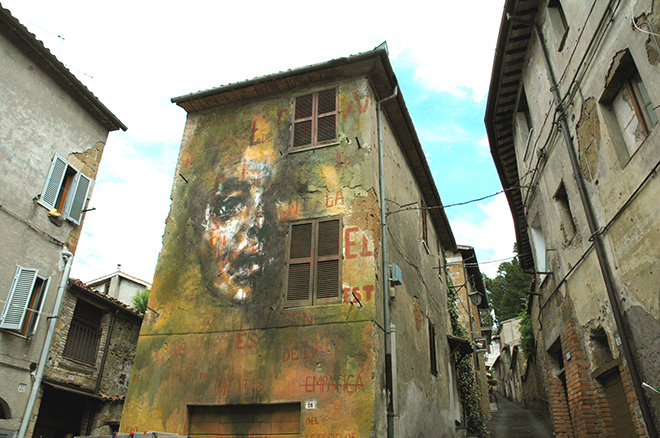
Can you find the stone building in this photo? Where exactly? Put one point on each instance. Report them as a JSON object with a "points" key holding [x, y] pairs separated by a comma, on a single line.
{"points": [[508, 368], [468, 283], [52, 134], [270, 304], [119, 285], [89, 365], [572, 118]]}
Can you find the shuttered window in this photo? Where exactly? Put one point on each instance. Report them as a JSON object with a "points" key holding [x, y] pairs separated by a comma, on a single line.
{"points": [[82, 343], [315, 119], [314, 262], [24, 303], [65, 190]]}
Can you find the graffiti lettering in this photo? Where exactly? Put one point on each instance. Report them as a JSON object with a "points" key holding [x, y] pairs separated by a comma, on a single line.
{"points": [[257, 138], [349, 243], [337, 383], [305, 351], [246, 386], [300, 318], [342, 160], [246, 341], [353, 295], [331, 435], [338, 199], [356, 102], [311, 420], [288, 211]]}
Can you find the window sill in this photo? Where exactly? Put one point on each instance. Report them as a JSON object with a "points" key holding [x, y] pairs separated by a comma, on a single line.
{"points": [[77, 362], [311, 148]]}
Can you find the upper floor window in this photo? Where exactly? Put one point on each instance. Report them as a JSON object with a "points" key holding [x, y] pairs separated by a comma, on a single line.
{"points": [[432, 351], [65, 190], [524, 125], [25, 301], [629, 104], [315, 119], [314, 262], [558, 22], [82, 343]]}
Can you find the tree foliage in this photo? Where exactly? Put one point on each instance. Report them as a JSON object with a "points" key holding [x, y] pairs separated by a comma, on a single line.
{"points": [[526, 334], [507, 292], [140, 300]]}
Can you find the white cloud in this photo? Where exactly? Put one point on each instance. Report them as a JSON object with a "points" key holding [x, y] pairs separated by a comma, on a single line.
{"points": [[492, 235], [140, 55]]}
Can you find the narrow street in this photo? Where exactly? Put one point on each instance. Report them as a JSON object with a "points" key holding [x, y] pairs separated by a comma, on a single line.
{"points": [[511, 420]]}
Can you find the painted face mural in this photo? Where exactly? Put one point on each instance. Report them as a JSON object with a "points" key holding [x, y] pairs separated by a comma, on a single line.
{"points": [[232, 225]]}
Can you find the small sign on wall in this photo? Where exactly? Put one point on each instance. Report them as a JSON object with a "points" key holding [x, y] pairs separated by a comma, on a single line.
{"points": [[310, 404]]}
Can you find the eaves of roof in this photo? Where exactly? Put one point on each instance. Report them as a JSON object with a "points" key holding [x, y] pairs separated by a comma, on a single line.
{"points": [[83, 289], [96, 281], [34, 49], [472, 267], [510, 54], [375, 65]]}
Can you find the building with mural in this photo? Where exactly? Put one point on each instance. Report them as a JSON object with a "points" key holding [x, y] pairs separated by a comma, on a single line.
{"points": [[272, 315], [572, 119], [52, 135]]}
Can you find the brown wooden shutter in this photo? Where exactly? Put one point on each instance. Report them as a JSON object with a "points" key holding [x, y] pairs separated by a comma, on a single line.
{"points": [[303, 120], [327, 268], [299, 279], [327, 116]]}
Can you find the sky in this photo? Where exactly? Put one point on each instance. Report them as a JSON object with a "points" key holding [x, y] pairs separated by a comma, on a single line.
{"points": [[136, 55]]}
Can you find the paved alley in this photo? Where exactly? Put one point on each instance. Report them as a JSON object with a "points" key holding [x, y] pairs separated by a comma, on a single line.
{"points": [[511, 420]]}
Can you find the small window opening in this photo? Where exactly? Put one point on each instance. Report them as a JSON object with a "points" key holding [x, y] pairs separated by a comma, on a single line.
{"points": [[558, 22], [432, 351], [567, 223]]}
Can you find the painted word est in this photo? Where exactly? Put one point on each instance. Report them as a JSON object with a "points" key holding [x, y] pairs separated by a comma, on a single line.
{"points": [[353, 295]]}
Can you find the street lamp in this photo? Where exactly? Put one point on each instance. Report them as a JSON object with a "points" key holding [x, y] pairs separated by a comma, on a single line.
{"points": [[476, 298]]}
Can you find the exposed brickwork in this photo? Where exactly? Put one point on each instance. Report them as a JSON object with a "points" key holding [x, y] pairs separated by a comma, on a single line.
{"points": [[582, 410]]}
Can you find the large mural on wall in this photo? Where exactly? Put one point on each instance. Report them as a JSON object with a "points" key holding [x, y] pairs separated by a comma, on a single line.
{"points": [[222, 334]]}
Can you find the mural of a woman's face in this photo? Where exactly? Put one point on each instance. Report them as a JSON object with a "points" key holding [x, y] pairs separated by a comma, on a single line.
{"points": [[232, 223]]}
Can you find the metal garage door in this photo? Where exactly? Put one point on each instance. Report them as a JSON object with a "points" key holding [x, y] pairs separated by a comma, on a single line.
{"points": [[273, 421]]}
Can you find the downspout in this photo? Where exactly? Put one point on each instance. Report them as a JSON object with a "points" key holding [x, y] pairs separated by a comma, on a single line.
{"points": [[390, 377], [596, 235], [67, 257]]}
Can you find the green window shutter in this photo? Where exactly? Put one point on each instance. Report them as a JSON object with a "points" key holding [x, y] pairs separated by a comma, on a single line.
{"points": [[80, 190], [54, 182], [18, 299]]}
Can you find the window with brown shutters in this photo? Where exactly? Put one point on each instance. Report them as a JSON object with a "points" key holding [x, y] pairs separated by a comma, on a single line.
{"points": [[314, 262], [315, 119]]}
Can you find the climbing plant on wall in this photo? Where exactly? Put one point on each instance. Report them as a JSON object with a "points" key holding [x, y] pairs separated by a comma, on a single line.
{"points": [[467, 386]]}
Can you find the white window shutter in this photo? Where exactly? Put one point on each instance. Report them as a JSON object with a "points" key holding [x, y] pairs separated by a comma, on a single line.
{"points": [[41, 307], [77, 205], [53, 182], [18, 299]]}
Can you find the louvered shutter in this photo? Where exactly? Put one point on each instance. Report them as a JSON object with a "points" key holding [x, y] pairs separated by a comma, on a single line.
{"points": [[326, 130], [327, 260], [303, 120], [77, 204], [40, 304], [299, 277], [53, 182], [18, 299]]}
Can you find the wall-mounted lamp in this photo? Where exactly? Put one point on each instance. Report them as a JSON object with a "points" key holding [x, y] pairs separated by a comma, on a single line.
{"points": [[476, 298]]}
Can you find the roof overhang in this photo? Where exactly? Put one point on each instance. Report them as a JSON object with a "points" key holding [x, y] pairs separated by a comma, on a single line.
{"points": [[375, 66], [513, 41], [34, 49], [474, 273], [458, 344]]}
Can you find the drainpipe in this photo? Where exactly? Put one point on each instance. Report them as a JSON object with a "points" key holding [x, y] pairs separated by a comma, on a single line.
{"points": [[67, 257], [389, 369], [595, 231]]}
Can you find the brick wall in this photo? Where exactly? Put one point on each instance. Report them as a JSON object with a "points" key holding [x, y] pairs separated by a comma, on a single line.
{"points": [[581, 409]]}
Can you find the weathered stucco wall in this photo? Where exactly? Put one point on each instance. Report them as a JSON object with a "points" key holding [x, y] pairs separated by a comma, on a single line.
{"points": [[427, 405], [221, 334], [619, 183], [38, 119]]}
